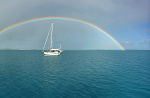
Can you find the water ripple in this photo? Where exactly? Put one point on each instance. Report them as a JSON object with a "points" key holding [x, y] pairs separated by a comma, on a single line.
{"points": [[75, 74]]}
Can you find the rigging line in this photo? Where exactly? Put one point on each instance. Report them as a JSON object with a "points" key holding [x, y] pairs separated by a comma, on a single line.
{"points": [[47, 37]]}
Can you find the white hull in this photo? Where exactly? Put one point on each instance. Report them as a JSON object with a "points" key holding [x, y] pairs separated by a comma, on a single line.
{"points": [[52, 53]]}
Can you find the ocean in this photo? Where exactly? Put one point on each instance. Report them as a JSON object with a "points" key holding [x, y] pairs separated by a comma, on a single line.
{"points": [[75, 74]]}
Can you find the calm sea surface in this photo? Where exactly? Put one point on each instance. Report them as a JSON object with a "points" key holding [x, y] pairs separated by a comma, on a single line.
{"points": [[75, 74]]}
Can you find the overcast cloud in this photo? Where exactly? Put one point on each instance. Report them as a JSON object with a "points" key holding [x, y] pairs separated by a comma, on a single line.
{"points": [[118, 17]]}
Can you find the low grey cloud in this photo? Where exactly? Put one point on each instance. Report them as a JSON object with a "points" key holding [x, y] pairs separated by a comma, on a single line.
{"points": [[126, 43], [147, 30], [146, 42]]}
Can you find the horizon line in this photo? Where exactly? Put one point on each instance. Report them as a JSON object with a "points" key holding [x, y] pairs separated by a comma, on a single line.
{"points": [[75, 49]]}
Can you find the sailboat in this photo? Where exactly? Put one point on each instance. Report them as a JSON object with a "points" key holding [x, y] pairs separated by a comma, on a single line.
{"points": [[51, 50]]}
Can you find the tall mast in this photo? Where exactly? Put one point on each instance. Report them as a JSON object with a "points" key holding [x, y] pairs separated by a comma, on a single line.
{"points": [[51, 37]]}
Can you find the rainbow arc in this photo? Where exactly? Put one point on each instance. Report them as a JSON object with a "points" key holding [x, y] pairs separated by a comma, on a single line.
{"points": [[62, 19]]}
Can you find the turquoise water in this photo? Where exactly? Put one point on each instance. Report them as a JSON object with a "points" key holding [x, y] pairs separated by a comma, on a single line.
{"points": [[75, 74]]}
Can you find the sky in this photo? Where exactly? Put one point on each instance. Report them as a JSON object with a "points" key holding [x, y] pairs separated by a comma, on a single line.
{"points": [[127, 21]]}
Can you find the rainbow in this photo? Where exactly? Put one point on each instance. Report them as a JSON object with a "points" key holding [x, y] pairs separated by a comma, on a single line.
{"points": [[63, 19]]}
